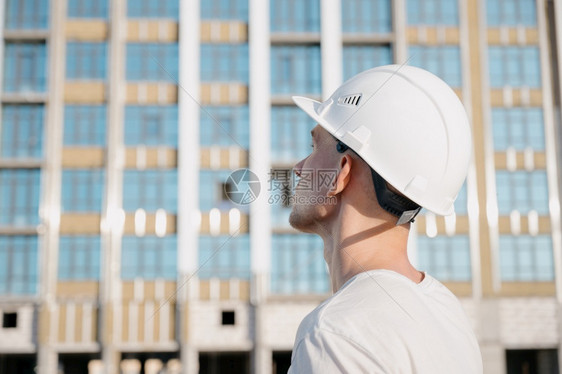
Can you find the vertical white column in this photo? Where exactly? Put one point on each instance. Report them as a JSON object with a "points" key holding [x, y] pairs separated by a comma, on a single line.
{"points": [[552, 153], [2, 12], [113, 216], [471, 187], [399, 25], [188, 139], [188, 170], [260, 159], [260, 163], [49, 209], [331, 46], [552, 146]]}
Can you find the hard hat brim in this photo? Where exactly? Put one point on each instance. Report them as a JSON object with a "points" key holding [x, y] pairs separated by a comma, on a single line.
{"points": [[312, 108]]}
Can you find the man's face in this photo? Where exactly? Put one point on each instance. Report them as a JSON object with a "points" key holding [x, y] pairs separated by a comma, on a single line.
{"points": [[317, 173]]}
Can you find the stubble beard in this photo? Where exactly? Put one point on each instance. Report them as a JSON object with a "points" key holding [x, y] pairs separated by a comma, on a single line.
{"points": [[302, 218]]}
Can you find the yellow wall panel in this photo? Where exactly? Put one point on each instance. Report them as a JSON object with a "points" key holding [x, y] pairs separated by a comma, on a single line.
{"points": [[152, 93], [498, 99], [218, 93], [460, 289], [512, 36], [432, 35], [80, 223], [81, 157], [86, 30], [152, 31], [539, 160], [519, 289], [204, 290], [150, 224], [224, 32], [153, 157], [224, 223], [82, 92], [61, 333], [78, 323], [68, 289], [244, 290]]}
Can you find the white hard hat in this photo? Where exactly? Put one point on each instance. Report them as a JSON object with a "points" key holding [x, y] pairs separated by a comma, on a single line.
{"points": [[408, 125]]}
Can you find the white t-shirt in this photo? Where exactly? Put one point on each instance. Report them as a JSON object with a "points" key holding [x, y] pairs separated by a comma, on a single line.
{"points": [[382, 322]]}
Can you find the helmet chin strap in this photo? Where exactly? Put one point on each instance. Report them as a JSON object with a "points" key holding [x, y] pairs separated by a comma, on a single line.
{"points": [[395, 204], [400, 206]]}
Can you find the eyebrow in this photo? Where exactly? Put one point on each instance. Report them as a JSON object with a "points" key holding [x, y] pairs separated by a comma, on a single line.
{"points": [[312, 133]]}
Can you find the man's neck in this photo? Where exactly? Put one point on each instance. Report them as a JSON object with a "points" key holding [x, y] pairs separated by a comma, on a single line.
{"points": [[366, 245]]}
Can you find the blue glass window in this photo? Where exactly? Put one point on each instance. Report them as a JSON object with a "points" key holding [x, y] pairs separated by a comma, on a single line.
{"points": [[295, 16], [150, 190], [446, 258], [290, 134], [82, 190], [19, 197], [295, 69], [519, 128], [461, 204], [511, 13], [27, 14], [86, 60], [445, 62], [211, 190], [149, 257], [151, 125], [432, 12], [25, 67], [366, 16], [359, 58], [514, 66], [153, 9], [526, 258], [84, 125], [224, 10], [224, 257], [21, 131], [79, 258], [297, 265], [522, 191], [225, 126], [224, 62], [87, 9], [152, 61], [280, 186], [18, 265], [279, 211]]}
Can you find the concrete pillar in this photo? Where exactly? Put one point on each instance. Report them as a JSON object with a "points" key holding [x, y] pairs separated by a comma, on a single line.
{"points": [[113, 216], [331, 45], [49, 210], [488, 333], [188, 175], [132, 366], [260, 163], [173, 366], [95, 367], [153, 366]]}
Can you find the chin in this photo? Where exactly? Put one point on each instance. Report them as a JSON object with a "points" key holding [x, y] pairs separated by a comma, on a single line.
{"points": [[300, 221]]}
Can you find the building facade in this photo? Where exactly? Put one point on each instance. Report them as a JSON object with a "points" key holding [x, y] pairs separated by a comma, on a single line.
{"points": [[122, 120]]}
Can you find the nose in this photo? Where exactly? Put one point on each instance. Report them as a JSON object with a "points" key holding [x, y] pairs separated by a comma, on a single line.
{"points": [[297, 169]]}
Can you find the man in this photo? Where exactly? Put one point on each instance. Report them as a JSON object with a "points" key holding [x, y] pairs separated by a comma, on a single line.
{"points": [[399, 139]]}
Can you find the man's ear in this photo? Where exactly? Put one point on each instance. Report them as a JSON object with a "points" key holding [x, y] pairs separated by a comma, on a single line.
{"points": [[342, 178]]}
